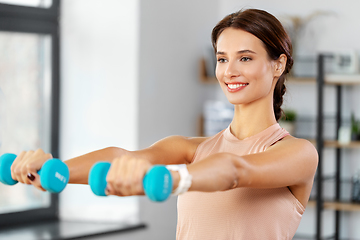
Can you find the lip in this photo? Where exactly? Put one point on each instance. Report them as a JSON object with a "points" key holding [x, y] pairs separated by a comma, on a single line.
{"points": [[236, 89]]}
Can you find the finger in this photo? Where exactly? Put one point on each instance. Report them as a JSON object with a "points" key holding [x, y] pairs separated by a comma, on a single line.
{"points": [[130, 177], [14, 167], [34, 164], [121, 182], [39, 187], [142, 168], [110, 177], [21, 170]]}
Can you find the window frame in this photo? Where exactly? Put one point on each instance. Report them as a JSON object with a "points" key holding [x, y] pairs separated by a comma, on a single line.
{"points": [[24, 19]]}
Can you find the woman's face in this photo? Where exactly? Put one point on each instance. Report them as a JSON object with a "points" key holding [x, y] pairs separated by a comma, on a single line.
{"points": [[244, 70]]}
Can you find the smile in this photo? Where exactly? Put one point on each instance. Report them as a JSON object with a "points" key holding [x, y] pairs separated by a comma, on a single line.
{"points": [[233, 87]]}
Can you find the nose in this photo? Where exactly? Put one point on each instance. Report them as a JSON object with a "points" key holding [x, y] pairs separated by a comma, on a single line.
{"points": [[232, 70]]}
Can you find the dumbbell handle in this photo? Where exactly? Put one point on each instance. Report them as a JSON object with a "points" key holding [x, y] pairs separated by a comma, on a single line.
{"points": [[54, 174], [157, 182]]}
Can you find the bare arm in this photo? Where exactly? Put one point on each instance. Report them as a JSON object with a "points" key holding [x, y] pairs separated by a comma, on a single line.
{"points": [[80, 166], [289, 163], [170, 150]]}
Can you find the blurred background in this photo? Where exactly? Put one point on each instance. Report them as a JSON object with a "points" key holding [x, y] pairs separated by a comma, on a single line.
{"points": [[81, 75]]}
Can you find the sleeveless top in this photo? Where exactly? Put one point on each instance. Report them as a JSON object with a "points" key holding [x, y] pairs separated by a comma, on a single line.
{"points": [[240, 213]]}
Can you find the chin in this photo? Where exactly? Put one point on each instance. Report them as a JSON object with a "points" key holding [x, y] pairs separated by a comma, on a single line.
{"points": [[240, 101]]}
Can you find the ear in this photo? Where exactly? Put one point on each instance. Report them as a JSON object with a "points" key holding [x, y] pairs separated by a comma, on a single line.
{"points": [[280, 65]]}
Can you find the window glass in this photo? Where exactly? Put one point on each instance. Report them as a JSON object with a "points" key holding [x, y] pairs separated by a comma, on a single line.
{"points": [[29, 3], [25, 98]]}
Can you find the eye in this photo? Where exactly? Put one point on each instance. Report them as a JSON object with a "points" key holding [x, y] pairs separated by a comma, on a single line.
{"points": [[245, 59], [221, 60]]}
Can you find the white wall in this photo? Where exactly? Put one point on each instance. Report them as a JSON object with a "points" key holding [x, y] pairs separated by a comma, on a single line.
{"points": [[333, 32], [99, 95], [173, 36]]}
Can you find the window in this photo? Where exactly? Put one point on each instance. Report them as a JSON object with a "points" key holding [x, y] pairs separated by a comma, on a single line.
{"points": [[29, 3], [29, 99]]}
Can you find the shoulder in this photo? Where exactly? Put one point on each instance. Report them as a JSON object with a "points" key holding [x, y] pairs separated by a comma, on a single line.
{"points": [[298, 147]]}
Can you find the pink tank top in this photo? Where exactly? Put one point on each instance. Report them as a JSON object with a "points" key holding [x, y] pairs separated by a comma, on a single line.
{"points": [[241, 213]]}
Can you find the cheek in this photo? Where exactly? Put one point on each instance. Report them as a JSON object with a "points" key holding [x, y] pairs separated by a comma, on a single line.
{"points": [[218, 72], [264, 74]]}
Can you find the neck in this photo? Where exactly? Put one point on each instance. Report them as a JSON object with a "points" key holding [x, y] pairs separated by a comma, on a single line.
{"points": [[252, 118]]}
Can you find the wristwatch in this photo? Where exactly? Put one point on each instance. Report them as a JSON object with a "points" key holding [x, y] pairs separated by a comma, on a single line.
{"points": [[185, 178]]}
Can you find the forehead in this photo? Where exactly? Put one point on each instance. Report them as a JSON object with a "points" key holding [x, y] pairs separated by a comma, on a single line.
{"points": [[232, 39]]}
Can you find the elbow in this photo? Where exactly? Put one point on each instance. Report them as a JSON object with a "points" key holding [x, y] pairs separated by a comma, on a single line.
{"points": [[241, 171], [115, 151]]}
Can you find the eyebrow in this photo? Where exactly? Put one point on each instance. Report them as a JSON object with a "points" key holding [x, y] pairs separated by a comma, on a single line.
{"points": [[238, 52]]}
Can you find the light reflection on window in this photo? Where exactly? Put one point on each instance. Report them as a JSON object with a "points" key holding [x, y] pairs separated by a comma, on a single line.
{"points": [[29, 3]]}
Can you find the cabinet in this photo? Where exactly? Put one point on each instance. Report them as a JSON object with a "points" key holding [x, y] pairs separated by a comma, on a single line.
{"points": [[336, 203]]}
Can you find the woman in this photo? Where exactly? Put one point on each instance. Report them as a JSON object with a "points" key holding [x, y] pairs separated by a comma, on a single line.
{"points": [[251, 180]]}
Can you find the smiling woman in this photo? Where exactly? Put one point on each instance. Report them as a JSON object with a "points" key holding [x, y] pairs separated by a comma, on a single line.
{"points": [[275, 171]]}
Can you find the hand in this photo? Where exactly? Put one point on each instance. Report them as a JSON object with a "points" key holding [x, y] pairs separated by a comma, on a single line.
{"points": [[27, 164], [125, 177]]}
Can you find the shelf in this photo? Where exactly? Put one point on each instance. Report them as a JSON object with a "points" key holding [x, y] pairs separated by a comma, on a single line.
{"points": [[67, 230], [337, 79], [336, 144], [311, 203], [331, 79], [340, 206], [301, 80], [203, 75]]}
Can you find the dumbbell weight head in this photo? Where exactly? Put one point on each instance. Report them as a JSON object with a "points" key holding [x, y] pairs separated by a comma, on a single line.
{"points": [[97, 178], [157, 182], [54, 175], [6, 161]]}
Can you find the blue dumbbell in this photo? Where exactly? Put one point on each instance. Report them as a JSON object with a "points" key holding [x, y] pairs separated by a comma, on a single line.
{"points": [[54, 174], [157, 182]]}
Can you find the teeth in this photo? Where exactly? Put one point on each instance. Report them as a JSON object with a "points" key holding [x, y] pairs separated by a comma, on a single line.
{"points": [[233, 86]]}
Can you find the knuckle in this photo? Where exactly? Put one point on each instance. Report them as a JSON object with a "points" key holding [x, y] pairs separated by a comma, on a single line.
{"points": [[139, 189], [29, 167], [22, 153], [110, 180], [23, 171], [39, 150], [118, 183], [13, 168], [127, 185], [138, 182], [17, 170]]}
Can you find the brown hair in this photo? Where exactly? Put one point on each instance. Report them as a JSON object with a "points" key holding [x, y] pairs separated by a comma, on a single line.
{"points": [[269, 30]]}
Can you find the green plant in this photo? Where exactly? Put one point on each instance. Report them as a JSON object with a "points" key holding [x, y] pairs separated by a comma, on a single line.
{"points": [[355, 125], [289, 116]]}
